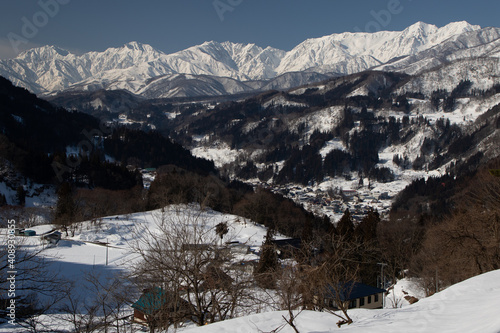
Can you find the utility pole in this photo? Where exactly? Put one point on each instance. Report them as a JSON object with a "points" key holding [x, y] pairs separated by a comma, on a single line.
{"points": [[107, 252], [437, 282], [382, 281]]}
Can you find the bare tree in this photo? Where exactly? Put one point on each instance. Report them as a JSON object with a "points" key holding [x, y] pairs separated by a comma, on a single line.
{"points": [[463, 245], [81, 315], [466, 243], [333, 276], [484, 192], [38, 287], [180, 254], [102, 307], [290, 283], [399, 241]]}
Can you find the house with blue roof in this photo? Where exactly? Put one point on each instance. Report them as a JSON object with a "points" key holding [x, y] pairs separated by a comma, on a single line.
{"points": [[355, 295]]}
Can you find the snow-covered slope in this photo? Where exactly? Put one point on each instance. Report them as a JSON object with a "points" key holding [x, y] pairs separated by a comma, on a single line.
{"points": [[353, 52], [49, 69], [134, 66], [78, 256], [483, 73], [472, 44], [187, 85], [470, 306]]}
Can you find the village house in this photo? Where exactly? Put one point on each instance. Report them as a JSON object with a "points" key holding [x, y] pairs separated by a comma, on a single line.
{"points": [[52, 238], [285, 248], [355, 295], [156, 308]]}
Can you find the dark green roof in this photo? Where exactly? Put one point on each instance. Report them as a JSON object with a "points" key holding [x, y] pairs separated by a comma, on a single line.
{"points": [[151, 301]]}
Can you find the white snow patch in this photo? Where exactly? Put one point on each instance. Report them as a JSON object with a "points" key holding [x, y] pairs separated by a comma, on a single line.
{"points": [[469, 306], [172, 115], [282, 101], [220, 155], [332, 145], [250, 126], [361, 91], [322, 120]]}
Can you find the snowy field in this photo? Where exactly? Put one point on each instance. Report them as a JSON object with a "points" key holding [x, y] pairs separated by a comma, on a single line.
{"points": [[84, 252], [470, 306], [121, 232]]}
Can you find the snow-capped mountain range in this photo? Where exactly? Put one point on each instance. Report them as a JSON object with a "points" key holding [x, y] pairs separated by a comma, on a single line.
{"points": [[214, 68]]}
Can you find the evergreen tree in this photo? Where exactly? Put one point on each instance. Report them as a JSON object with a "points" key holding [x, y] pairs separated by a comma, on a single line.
{"points": [[345, 227], [21, 195], [221, 229], [65, 211], [268, 263], [3, 200], [366, 231]]}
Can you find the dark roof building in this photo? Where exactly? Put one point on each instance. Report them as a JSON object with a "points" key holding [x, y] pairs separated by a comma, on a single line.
{"points": [[358, 295], [53, 237], [286, 247], [156, 307]]}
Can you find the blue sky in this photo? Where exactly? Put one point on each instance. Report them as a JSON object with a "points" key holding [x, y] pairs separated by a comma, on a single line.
{"points": [[173, 25]]}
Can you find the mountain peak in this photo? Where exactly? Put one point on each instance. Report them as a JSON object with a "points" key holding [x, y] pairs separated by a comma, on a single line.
{"points": [[47, 50], [424, 29], [460, 27], [138, 46], [421, 28], [421, 24]]}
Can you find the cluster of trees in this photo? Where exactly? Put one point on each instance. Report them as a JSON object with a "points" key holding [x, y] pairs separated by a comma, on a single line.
{"points": [[182, 256], [150, 150], [448, 101], [305, 165], [280, 214], [95, 172], [174, 185], [302, 166], [451, 224], [324, 267]]}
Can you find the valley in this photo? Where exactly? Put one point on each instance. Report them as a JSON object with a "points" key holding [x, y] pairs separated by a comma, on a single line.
{"points": [[248, 182]]}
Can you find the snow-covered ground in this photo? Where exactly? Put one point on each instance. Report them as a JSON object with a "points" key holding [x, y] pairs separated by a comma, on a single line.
{"points": [[466, 111], [470, 306], [84, 252], [220, 156], [282, 101], [120, 232], [37, 195]]}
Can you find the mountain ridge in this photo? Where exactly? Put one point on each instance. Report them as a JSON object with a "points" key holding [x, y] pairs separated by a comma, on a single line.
{"points": [[49, 69]]}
